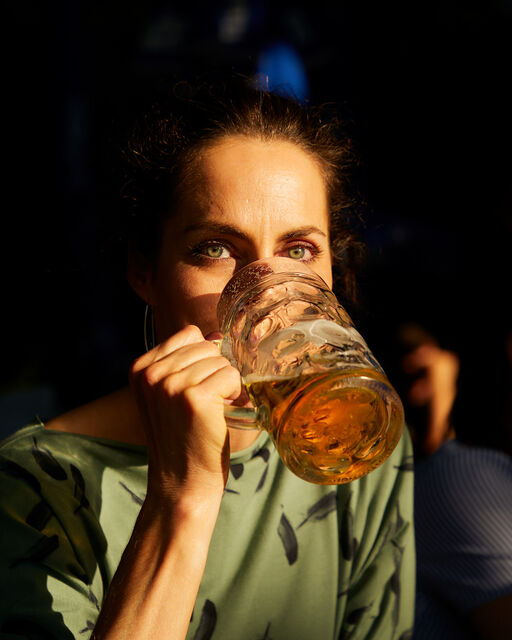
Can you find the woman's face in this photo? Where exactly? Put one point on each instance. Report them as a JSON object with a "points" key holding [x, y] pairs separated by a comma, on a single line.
{"points": [[247, 200]]}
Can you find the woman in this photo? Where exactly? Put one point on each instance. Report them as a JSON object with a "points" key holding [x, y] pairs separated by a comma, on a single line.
{"points": [[141, 515]]}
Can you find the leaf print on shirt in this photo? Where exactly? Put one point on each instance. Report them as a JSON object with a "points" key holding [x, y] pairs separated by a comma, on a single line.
{"points": [[394, 581], [47, 462], [133, 495], [407, 464], [289, 539], [237, 470], [207, 622], [262, 480], [39, 516], [79, 492], [89, 626], [93, 599], [393, 527], [262, 453], [321, 509], [16, 471], [348, 542], [399, 523], [38, 551]]}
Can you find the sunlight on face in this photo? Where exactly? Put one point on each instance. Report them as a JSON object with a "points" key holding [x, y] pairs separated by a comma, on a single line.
{"points": [[248, 199]]}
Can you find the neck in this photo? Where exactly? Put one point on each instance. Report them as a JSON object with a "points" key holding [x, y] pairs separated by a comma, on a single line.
{"points": [[241, 439]]}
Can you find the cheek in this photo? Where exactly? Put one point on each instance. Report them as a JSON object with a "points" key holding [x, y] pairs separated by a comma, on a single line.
{"points": [[327, 276], [191, 299], [201, 310], [324, 269]]}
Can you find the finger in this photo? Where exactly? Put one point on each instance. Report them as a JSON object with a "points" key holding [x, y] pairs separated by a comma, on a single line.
{"points": [[188, 335], [223, 384], [201, 371], [179, 360]]}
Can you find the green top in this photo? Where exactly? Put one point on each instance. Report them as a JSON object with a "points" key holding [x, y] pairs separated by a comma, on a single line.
{"points": [[288, 559]]}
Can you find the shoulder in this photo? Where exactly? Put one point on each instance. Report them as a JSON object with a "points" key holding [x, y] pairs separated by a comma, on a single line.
{"points": [[465, 461], [41, 450], [463, 517], [54, 490], [39, 464], [60, 492], [466, 485]]}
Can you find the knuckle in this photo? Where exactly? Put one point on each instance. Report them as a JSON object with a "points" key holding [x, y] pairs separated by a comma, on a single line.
{"points": [[211, 348], [137, 365], [193, 332], [233, 373], [191, 397], [150, 376], [169, 386], [135, 371]]}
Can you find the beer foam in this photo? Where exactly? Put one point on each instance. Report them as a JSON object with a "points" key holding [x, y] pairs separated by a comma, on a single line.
{"points": [[256, 377], [324, 331], [309, 345], [314, 332]]}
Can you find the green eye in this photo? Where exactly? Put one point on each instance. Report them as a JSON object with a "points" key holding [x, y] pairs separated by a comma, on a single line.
{"points": [[297, 253], [214, 250]]}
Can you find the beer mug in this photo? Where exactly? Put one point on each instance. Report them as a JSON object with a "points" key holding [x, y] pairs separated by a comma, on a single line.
{"points": [[315, 386]]}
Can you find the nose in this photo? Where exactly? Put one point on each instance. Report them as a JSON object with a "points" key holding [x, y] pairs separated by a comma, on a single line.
{"points": [[242, 263], [262, 249]]}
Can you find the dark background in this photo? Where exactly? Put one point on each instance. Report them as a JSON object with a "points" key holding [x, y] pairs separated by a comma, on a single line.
{"points": [[427, 86]]}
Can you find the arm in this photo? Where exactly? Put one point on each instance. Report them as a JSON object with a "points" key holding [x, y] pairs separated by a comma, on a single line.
{"points": [[156, 583], [153, 591], [435, 388]]}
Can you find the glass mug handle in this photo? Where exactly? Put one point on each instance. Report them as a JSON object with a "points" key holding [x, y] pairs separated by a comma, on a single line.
{"points": [[239, 417]]}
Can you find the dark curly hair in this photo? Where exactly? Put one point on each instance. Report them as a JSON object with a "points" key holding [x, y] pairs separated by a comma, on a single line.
{"points": [[162, 147]]}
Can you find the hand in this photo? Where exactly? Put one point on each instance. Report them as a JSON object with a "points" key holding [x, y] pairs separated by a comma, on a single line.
{"points": [[436, 386], [180, 387]]}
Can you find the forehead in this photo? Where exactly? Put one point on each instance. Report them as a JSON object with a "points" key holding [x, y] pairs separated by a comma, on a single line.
{"points": [[256, 175], [238, 159]]}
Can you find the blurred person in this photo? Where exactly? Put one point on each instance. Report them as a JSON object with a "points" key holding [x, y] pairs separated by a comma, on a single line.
{"points": [[463, 505], [141, 514]]}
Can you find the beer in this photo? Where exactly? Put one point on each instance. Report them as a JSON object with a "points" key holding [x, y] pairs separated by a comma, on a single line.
{"points": [[315, 385], [329, 427]]}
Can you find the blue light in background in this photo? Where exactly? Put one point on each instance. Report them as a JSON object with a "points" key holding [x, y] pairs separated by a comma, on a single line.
{"points": [[280, 69]]}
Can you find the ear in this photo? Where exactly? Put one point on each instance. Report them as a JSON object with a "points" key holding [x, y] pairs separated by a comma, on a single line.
{"points": [[139, 273]]}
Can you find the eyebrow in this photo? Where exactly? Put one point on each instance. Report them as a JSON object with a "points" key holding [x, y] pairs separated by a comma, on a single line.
{"points": [[302, 231], [228, 229]]}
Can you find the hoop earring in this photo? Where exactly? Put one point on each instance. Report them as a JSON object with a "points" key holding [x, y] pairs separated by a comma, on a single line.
{"points": [[149, 342]]}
